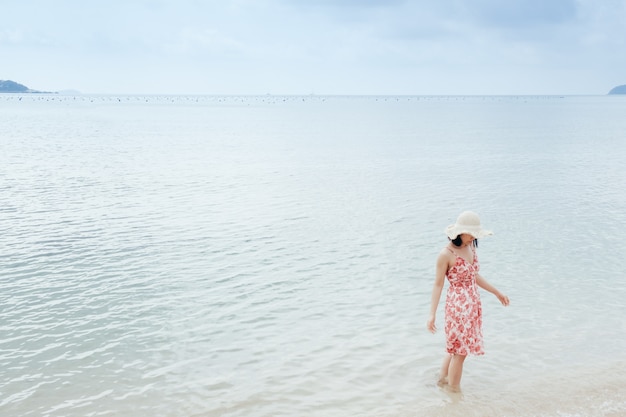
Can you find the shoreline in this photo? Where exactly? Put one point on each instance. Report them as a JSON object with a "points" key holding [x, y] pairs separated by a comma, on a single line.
{"points": [[583, 390]]}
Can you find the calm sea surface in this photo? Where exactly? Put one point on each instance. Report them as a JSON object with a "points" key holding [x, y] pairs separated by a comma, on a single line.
{"points": [[274, 256]]}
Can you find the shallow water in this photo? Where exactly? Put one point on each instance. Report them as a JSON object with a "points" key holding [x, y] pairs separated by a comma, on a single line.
{"points": [[274, 256]]}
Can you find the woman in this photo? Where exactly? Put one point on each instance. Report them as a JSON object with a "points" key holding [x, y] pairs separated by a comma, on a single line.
{"points": [[463, 319]]}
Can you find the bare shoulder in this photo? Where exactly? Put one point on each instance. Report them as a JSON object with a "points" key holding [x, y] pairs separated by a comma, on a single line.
{"points": [[446, 252], [445, 256]]}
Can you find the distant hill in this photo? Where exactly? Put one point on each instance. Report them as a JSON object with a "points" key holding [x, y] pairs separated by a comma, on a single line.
{"points": [[620, 89], [8, 86]]}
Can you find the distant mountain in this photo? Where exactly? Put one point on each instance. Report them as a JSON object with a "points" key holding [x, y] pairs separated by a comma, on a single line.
{"points": [[8, 86], [620, 89]]}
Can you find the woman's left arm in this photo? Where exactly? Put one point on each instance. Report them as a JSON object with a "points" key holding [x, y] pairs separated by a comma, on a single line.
{"points": [[485, 285]]}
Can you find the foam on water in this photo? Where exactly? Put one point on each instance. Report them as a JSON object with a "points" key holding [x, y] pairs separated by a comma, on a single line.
{"points": [[274, 256]]}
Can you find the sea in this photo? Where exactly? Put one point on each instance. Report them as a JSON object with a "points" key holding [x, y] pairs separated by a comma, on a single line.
{"points": [[274, 256]]}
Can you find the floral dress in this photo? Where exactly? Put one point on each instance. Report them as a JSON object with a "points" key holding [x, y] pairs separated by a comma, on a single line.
{"points": [[464, 317]]}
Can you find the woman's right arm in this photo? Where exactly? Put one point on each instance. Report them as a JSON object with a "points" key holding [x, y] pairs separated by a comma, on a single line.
{"points": [[440, 274]]}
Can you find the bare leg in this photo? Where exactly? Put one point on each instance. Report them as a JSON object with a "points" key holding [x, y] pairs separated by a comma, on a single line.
{"points": [[455, 371], [443, 374]]}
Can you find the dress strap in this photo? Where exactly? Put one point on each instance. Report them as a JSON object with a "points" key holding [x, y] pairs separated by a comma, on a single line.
{"points": [[459, 256]]}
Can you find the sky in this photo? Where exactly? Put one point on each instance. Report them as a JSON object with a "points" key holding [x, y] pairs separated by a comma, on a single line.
{"points": [[362, 47]]}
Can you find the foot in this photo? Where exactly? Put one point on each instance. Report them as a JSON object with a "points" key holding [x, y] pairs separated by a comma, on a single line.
{"points": [[456, 389], [443, 381]]}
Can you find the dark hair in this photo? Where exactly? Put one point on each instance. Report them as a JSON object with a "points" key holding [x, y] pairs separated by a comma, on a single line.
{"points": [[457, 241]]}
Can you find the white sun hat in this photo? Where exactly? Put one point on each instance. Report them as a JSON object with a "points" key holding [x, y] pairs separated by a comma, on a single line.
{"points": [[468, 222]]}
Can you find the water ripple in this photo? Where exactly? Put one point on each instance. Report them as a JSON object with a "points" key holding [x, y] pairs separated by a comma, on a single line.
{"points": [[233, 258]]}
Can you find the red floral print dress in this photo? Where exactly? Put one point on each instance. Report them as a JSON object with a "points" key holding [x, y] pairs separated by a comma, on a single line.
{"points": [[464, 316]]}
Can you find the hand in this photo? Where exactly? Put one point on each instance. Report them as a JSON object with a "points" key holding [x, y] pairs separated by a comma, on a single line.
{"points": [[503, 299], [430, 324]]}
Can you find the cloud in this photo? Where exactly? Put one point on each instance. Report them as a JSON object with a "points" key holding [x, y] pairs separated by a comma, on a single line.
{"points": [[18, 37], [196, 40], [342, 46], [11, 37], [516, 14]]}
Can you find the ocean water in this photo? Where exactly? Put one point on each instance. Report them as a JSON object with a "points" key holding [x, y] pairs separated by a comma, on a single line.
{"points": [[274, 256]]}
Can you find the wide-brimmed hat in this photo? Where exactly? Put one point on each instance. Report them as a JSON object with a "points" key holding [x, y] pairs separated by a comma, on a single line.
{"points": [[468, 222]]}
